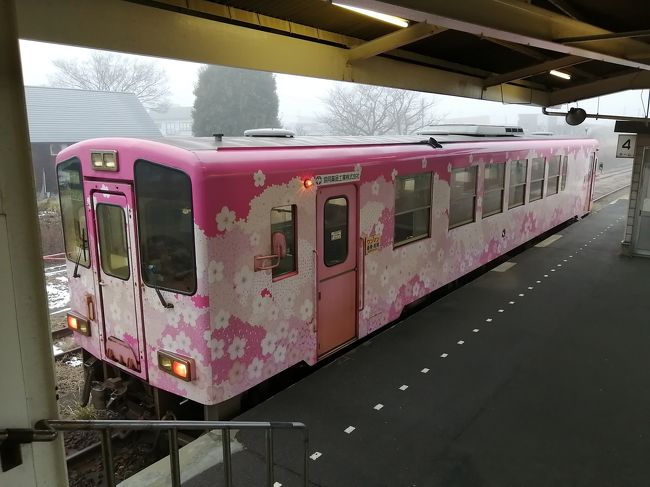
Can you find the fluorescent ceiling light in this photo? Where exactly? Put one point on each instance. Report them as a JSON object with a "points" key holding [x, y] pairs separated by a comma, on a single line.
{"points": [[560, 74], [375, 15]]}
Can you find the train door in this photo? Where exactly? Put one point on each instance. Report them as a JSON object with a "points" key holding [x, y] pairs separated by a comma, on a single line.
{"points": [[642, 223], [592, 180], [122, 342], [337, 266]]}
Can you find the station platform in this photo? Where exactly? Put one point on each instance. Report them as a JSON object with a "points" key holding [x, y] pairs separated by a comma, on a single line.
{"points": [[536, 376]]}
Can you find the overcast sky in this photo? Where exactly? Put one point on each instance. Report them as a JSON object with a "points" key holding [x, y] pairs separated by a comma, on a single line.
{"points": [[301, 97]]}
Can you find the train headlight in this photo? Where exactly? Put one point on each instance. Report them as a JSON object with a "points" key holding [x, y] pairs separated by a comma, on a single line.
{"points": [[176, 365], [78, 324], [104, 160]]}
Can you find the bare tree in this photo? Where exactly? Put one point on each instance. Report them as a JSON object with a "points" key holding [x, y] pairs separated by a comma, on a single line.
{"points": [[375, 110], [105, 71]]}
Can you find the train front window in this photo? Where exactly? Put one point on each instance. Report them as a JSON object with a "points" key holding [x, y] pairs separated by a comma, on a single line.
{"points": [[73, 216], [165, 227]]}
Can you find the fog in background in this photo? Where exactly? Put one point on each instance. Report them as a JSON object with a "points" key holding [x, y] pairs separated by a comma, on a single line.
{"points": [[301, 100]]}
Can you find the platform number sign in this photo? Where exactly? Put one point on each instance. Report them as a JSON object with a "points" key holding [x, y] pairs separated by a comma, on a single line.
{"points": [[626, 145]]}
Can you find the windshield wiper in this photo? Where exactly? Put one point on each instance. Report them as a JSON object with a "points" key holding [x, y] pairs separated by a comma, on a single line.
{"points": [[84, 242], [153, 272]]}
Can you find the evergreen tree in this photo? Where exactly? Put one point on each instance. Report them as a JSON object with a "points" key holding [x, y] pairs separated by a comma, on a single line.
{"points": [[229, 101]]}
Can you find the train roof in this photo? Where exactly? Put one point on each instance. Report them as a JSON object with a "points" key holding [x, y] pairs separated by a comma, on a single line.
{"points": [[228, 143]]}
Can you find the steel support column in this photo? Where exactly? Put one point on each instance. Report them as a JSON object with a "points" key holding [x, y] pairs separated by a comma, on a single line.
{"points": [[27, 379]]}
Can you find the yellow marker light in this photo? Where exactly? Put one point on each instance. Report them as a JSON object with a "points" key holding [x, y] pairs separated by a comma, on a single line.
{"points": [[308, 183], [78, 324], [104, 160], [97, 159], [176, 365]]}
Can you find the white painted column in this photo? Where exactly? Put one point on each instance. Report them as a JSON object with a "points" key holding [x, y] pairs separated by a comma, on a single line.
{"points": [[642, 142], [26, 368]]}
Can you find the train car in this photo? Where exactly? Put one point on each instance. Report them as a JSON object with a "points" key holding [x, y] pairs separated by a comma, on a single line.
{"points": [[201, 267]]}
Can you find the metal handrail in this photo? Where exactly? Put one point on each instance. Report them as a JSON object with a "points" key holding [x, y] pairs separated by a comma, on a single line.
{"points": [[47, 430]]}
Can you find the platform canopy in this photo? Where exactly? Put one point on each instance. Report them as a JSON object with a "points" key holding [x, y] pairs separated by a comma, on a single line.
{"points": [[499, 50]]}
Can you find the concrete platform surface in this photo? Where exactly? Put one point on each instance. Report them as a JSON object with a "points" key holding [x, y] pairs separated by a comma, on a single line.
{"points": [[535, 376]]}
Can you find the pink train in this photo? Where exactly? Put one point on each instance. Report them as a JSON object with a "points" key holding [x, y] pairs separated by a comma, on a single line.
{"points": [[205, 266]]}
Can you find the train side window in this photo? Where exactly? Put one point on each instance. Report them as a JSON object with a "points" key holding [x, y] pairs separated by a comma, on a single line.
{"points": [[335, 231], [517, 187], [554, 175], [283, 239], [165, 227], [73, 215], [565, 164], [412, 208], [113, 248], [538, 166], [493, 188], [462, 200]]}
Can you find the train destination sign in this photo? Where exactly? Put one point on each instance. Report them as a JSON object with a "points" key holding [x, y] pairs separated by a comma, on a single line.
{"points": [[372, 243], [341, 177]]}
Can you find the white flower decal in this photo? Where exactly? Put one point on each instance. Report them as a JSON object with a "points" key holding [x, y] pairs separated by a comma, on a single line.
{"points": [[216, 348], [225, 219], [375, 188], [306, 310], [416, 290], [365, 314], [243, 279], [424, 163], [372, 267], [441, 254], [357, 168], [268, 343], [379, 228], [384, 277], [280, 354], [283, 329], [393, 174], [255, 239], [215, 271], [220, 320], [255, 368], [293, 335], [274, 312], [183, 342], [392, 293], [259, 178], [449, 167], [237, 348]]}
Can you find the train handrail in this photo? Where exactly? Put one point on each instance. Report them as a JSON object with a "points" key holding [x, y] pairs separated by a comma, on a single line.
{"points": [[47, 430], [362, 276], [314, 312]]}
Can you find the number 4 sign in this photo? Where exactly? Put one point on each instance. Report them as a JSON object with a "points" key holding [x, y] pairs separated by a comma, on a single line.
{"points": [[626, 145]]}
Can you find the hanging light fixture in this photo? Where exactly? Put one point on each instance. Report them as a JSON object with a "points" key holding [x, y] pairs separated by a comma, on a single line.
{"points": [[391, 19]]}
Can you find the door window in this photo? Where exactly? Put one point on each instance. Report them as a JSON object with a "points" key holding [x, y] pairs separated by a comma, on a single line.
{"points": [[335, 231], [113, 248]]}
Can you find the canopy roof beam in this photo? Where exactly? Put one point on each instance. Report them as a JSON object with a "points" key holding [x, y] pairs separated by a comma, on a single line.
{"points": [[631, 81], [562, 62], [516, 21], [394, 40]]}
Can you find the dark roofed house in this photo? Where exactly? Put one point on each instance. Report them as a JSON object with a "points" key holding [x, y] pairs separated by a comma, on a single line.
{"points": [[59, 117]]}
